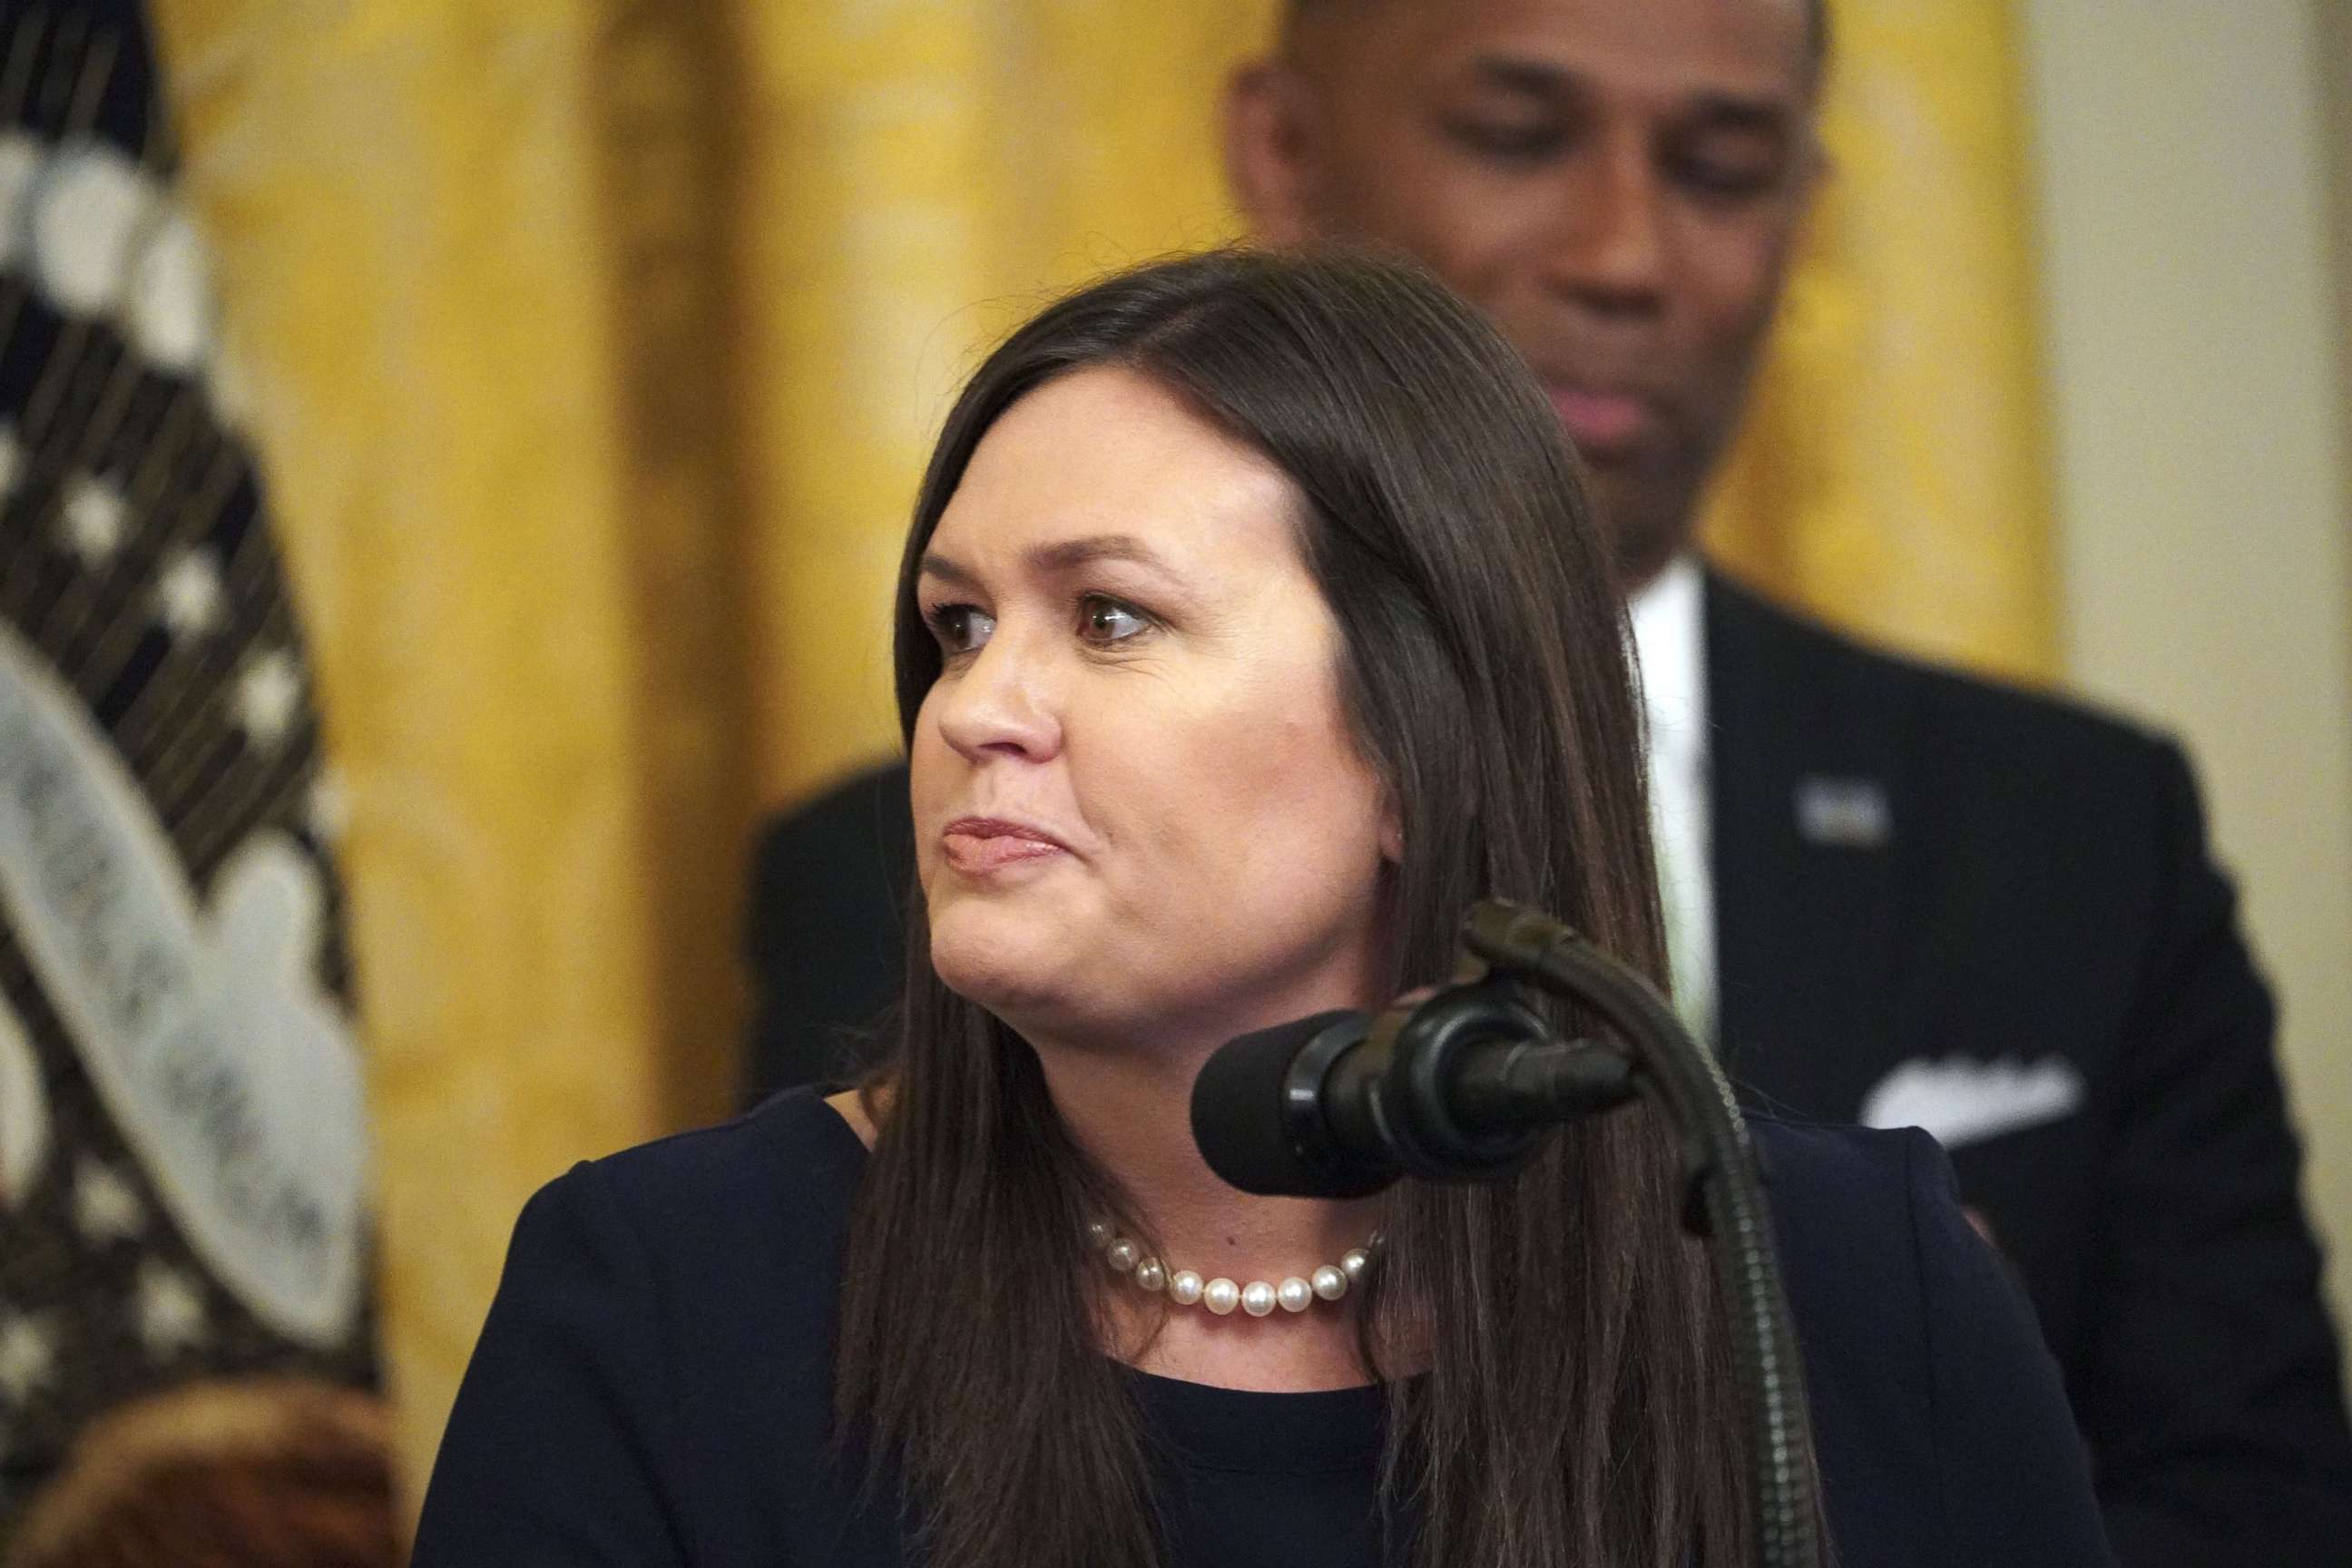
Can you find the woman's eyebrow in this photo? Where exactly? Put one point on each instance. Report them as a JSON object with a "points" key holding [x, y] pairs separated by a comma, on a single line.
{"points": [[949, 571], [1071, 553], [1060, 557]]}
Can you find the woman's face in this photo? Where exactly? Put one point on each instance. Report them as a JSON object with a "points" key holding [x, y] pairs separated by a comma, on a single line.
{"points": [[1138, 812]]}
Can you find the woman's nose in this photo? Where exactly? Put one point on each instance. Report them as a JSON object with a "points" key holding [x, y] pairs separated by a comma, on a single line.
{"points": [[1000, 703]]}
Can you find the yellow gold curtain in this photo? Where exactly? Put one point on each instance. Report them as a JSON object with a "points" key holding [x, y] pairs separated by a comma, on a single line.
{"points": [[1892, 474], [594, 349], [467, 267]]}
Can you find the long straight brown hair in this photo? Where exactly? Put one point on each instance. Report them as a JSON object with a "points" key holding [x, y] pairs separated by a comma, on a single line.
{"points": [[1578, 1405]]}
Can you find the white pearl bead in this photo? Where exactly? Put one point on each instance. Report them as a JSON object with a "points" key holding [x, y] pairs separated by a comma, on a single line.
{"points": [[1098, 1235], [1184, 1287], [1257, 1298], [1221, 1296], [1352, 1262], [1123, 1255], [1295, 1294], [1151, 1274], [1329, 1283]]}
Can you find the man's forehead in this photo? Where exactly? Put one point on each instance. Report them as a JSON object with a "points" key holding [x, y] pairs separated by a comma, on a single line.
{"points": [[1666, 50]]}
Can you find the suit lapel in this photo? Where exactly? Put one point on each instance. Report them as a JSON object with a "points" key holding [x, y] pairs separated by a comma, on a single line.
{"points": [[1810, 847]]}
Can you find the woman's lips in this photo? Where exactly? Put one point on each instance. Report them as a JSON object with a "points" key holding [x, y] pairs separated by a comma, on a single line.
{"points": [[977, 845]]}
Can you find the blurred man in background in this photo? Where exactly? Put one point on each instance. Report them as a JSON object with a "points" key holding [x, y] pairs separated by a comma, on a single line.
{"points": [[1895, 894]]}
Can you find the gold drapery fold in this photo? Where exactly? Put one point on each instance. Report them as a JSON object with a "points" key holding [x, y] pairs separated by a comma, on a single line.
{"points": [[593, 349], [1893, 474], [468, 264]]}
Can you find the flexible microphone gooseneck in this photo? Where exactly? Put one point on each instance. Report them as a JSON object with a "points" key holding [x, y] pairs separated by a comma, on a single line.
{"points": [[1465, 1085]]}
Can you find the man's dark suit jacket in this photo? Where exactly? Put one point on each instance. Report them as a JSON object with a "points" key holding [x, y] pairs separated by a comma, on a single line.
{"points": [[1927, 881]]}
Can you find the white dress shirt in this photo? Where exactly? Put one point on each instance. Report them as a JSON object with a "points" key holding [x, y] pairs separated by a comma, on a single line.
{"points": [[1670, 645]]}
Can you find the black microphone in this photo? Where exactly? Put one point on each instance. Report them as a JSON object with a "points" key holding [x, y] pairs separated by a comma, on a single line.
{"points": [[1459, 1088]]}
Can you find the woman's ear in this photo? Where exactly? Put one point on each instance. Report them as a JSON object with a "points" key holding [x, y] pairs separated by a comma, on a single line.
{"points": [[1392, 829]]}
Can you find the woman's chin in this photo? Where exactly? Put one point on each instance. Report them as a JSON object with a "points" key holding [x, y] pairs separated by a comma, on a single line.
{"points": [[1016, 975]]}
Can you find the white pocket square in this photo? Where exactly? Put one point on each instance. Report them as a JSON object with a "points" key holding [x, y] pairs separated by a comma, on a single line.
{"points": [[1961, 1099]]}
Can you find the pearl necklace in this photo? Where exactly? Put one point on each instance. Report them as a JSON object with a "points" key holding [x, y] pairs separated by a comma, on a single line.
{"points": [[1221, 1296]]}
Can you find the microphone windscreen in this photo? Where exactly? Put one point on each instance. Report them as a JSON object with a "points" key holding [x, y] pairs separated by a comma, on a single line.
{"points": [[1238, 1121]]}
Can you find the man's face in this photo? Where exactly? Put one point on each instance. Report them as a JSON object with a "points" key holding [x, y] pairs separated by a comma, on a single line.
{"points": [[1618, 184]]}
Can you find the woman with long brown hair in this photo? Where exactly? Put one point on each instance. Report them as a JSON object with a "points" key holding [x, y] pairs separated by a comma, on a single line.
{"points": [[1251, 626]]}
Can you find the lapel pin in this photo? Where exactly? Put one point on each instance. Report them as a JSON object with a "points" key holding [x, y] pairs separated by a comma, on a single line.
{"points": [[1843, 812]]}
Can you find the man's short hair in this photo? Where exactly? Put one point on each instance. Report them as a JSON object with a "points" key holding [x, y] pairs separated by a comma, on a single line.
{"points": [[1817, 27]]}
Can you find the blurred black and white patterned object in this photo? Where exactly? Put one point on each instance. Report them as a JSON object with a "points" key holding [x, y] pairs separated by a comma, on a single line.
{"points": [[184, 1190]]}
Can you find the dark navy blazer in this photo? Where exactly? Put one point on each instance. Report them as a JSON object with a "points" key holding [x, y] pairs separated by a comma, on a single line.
{"points": [[654, 1382], [1921, 880]]}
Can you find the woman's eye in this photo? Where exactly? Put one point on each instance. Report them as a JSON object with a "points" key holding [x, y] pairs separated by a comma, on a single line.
{"points": [[1102, 620], [960, 628]]}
